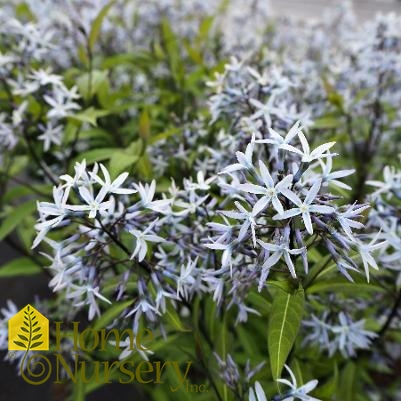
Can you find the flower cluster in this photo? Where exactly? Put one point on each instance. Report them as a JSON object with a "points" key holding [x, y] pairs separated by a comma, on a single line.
{"points": [[29, 85], [209, 172], [296, 393], [97, 206], [346, 336], [282, 206]]}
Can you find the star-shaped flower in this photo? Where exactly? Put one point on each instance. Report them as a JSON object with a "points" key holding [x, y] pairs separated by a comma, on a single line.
{"points": [[278, 251], [249, 221], [296, 392], [115, 186], [365, 251], [93, 204], [304, 208], [244, 159], [270, 191], [308, 155]]}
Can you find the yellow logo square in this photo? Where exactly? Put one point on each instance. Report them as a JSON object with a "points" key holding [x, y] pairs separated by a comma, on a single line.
{"points": [[28, 330]]}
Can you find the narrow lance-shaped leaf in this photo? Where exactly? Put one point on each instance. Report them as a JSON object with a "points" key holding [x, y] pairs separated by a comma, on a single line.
{"points": [[97, 24], [144, 125], [19, 267], [284, 323], [112, 313], [348, 381], [15, 217]]}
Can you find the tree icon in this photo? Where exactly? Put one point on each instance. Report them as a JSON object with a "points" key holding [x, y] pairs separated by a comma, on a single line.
{"points": [[28, 330]]}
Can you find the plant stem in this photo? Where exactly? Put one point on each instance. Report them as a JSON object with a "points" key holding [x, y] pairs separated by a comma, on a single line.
{"points": [[24, 252], [117, 241], [39, 162], [393, 313]]}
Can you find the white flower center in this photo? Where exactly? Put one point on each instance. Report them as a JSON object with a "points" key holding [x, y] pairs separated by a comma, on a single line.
{"points": [[271, 192], [304, 208], [94, 205]]}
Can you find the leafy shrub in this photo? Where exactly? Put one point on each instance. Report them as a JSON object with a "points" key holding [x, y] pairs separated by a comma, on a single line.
{"points": [[227, 180]]}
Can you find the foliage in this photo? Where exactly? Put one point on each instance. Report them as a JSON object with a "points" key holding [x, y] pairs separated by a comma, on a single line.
{"points": [[226, 180]]}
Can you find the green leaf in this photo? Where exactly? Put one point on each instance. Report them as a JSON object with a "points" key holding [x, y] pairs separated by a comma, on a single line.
{"points": [[96, 155], [346, 389], [144, 125], [15, 217], [18, 164], [83, 55], [259, 302], [284, 285], [120, 161], [251, 347], [95, 81], [23, 12], [19, 267], [328, 389], [297, 370], [326, 122], [79, 388], [204, 28], [124, 158], [171, 45], [95, 133], [97, 24], [34, 345], [144, 167], [343, 287], [334, 97], [112, 313], [163, 135], [22, 337], [25, 231], [18, 191], [89, 115], [284, 323], [195, 55], [140, 58], [174, 319]]}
